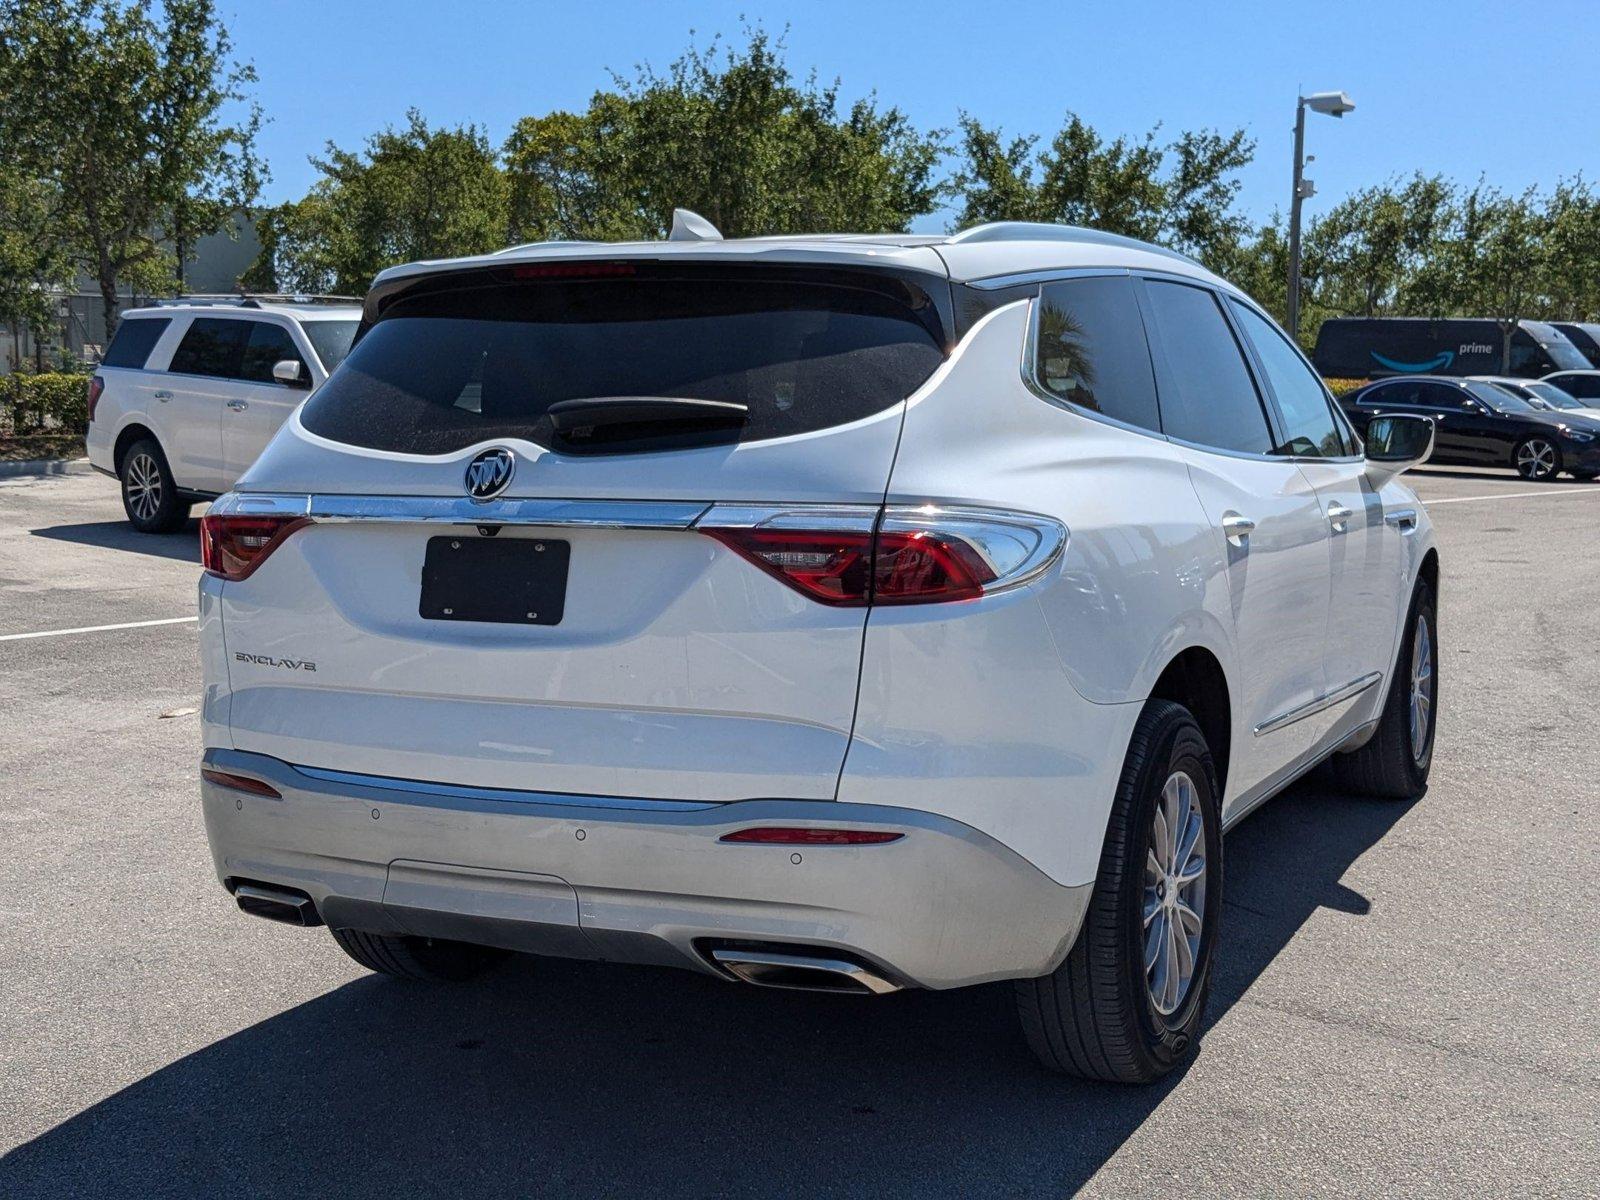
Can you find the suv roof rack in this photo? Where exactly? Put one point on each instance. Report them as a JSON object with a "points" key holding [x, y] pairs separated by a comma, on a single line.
{"points": [[1039, 231], [250, 299]]}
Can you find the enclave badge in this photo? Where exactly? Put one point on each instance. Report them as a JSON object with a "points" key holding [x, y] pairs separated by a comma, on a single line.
{"points": [[490, 473]]}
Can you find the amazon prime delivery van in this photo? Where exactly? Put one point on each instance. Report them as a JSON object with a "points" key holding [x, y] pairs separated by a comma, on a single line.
{"points": [[1370, 347]]}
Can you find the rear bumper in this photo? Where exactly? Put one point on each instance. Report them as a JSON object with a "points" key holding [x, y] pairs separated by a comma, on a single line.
{"points": [[637, 880]]}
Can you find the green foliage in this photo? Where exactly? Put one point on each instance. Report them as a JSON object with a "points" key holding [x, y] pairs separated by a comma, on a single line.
{"points": [[1180, 193], [47, 403], [411, 193], [114, 106], [32, 260], [735, 138]]}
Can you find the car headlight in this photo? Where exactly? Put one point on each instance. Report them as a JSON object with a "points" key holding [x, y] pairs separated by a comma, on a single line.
{"points": [[1576, 435]]}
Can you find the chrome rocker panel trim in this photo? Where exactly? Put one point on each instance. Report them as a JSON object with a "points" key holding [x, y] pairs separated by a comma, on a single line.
{"points": [[1312, 707]]}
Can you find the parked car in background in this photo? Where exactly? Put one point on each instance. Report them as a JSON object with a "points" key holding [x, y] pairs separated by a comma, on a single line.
{"points": [[1581, 385], [1482, 425], [837, 613], [1546, 397], [187, 395], [1585, 335], [1375, 347]]}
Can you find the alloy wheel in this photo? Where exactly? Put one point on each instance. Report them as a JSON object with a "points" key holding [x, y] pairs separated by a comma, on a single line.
{"points": [[1421, 687], [1536, 459], [143, 485], [1174, 894]]}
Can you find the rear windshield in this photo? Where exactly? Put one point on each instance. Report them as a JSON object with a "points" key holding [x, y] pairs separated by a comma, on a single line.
{"points": [[442, 371], [331, 340], [134, 340]]}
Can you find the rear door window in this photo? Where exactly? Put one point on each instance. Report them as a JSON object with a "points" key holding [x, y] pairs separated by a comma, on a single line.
{"points": [[1310, 428], [212, 346], [133, 341], [486, 358], [331, 340], [1208, 397], [1090, 349]]}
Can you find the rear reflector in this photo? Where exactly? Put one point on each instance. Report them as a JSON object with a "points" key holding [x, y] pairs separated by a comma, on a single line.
{"points": [[232, 546], [240, 783], [778, 835]]}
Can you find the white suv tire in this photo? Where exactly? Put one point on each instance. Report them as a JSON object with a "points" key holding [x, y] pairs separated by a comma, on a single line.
{"points": [[1098, 1014], [150, 495]]}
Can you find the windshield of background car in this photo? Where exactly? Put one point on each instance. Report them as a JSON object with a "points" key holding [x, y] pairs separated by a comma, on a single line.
{"points": [[331, 340]]}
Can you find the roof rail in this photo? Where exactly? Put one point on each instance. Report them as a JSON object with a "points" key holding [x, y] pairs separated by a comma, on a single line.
{"points": [[1040, 231], [250, 299]]}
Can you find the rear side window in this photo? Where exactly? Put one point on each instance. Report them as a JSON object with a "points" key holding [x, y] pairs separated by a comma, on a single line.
{"points": [[266, 346], [134, 340], [1585, 387], [1310, 428], [1211, 400], [441, 371], [1091, 351], [331, 340], [212, 346]]}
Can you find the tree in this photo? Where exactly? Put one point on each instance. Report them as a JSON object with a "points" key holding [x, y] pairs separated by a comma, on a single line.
{"points": [[1572, 244], [1506, 268], [118, 107], [1180, 193], [1360, 255], [732, 136], [32, 261], [411, 193]]}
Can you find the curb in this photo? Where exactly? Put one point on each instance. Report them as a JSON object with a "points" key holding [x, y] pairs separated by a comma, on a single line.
{"points": [[45, 466]]}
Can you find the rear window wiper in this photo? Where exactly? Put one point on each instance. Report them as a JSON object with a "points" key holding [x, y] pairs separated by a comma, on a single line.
{"points": [[592, 412]]}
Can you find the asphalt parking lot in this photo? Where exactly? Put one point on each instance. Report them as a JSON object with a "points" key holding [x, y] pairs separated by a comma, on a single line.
{"points": [[1405, 1003]]}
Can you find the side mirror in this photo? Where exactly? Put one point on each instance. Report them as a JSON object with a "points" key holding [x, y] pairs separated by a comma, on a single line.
{"points": [[291, 371], [1397, 443]]}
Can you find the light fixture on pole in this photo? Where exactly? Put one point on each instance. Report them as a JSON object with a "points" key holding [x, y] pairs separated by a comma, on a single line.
{"points": [[1334, 104]]}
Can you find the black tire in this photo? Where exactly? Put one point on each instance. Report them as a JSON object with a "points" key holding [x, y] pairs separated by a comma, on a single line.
{"points": [[1389, 765], [427, 959], [1584, 476], [1540, 467], [149, 494], [1094, 1016]]}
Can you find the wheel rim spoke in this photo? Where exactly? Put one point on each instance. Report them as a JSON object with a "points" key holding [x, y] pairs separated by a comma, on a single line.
{"points": [[1174, 893]]}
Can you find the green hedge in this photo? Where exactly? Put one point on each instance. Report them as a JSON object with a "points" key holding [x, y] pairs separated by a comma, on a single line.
{"points": [[46, 403]]}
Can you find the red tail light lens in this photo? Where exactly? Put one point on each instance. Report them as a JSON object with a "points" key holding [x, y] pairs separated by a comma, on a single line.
{"points": [[234, 545], [240, 783], [849, 568], [774, 835], [96, 386]]}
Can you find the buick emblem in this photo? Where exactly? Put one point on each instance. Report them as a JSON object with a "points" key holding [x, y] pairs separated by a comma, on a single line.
{"points": [[490, 473]]}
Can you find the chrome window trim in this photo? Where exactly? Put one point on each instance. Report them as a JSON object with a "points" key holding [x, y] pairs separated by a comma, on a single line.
{"points": [[419, 787], [1325, 701]]}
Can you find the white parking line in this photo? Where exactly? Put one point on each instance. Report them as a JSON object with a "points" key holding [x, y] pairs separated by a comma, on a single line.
{"points": [[43, 633], [1583, 491]]}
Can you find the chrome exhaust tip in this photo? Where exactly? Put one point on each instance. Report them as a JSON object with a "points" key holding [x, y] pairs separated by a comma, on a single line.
{"points": [[276, 904], [800, 972]]}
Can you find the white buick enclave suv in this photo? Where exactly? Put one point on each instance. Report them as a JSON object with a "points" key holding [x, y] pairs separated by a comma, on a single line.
{"points": [[837, 612]]}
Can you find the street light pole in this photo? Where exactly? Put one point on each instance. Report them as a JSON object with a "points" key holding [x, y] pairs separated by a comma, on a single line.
{"points": [[1334, 104], [1293, 305]]}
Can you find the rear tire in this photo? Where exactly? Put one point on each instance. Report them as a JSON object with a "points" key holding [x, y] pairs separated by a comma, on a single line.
{"points": [[427, 959], [1584, 476], [149, 493], [1395, 761], [1105, 1013]]}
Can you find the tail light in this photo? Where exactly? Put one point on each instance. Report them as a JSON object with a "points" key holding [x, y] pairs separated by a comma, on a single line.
{"points": [[801, 835], [96, 386], [849, 557], [233, 545], [240, 783]]}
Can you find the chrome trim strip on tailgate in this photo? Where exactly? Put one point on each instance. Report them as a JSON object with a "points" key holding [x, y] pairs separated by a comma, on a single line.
{"points": [[450, 510], [459, 792]]}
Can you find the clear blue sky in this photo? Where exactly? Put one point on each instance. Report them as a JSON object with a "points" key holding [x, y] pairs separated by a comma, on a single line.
{"points": [[1465, 88]]}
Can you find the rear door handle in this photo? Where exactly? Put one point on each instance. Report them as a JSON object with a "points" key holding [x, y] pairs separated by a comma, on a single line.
{"points": [[1237, 528], [1339, 517], [1404, 519], [238, 405], [163, 395]]}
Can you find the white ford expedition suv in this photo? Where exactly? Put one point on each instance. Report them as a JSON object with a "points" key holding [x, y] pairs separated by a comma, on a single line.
{"points": [[188, 394], [848, 613]]}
